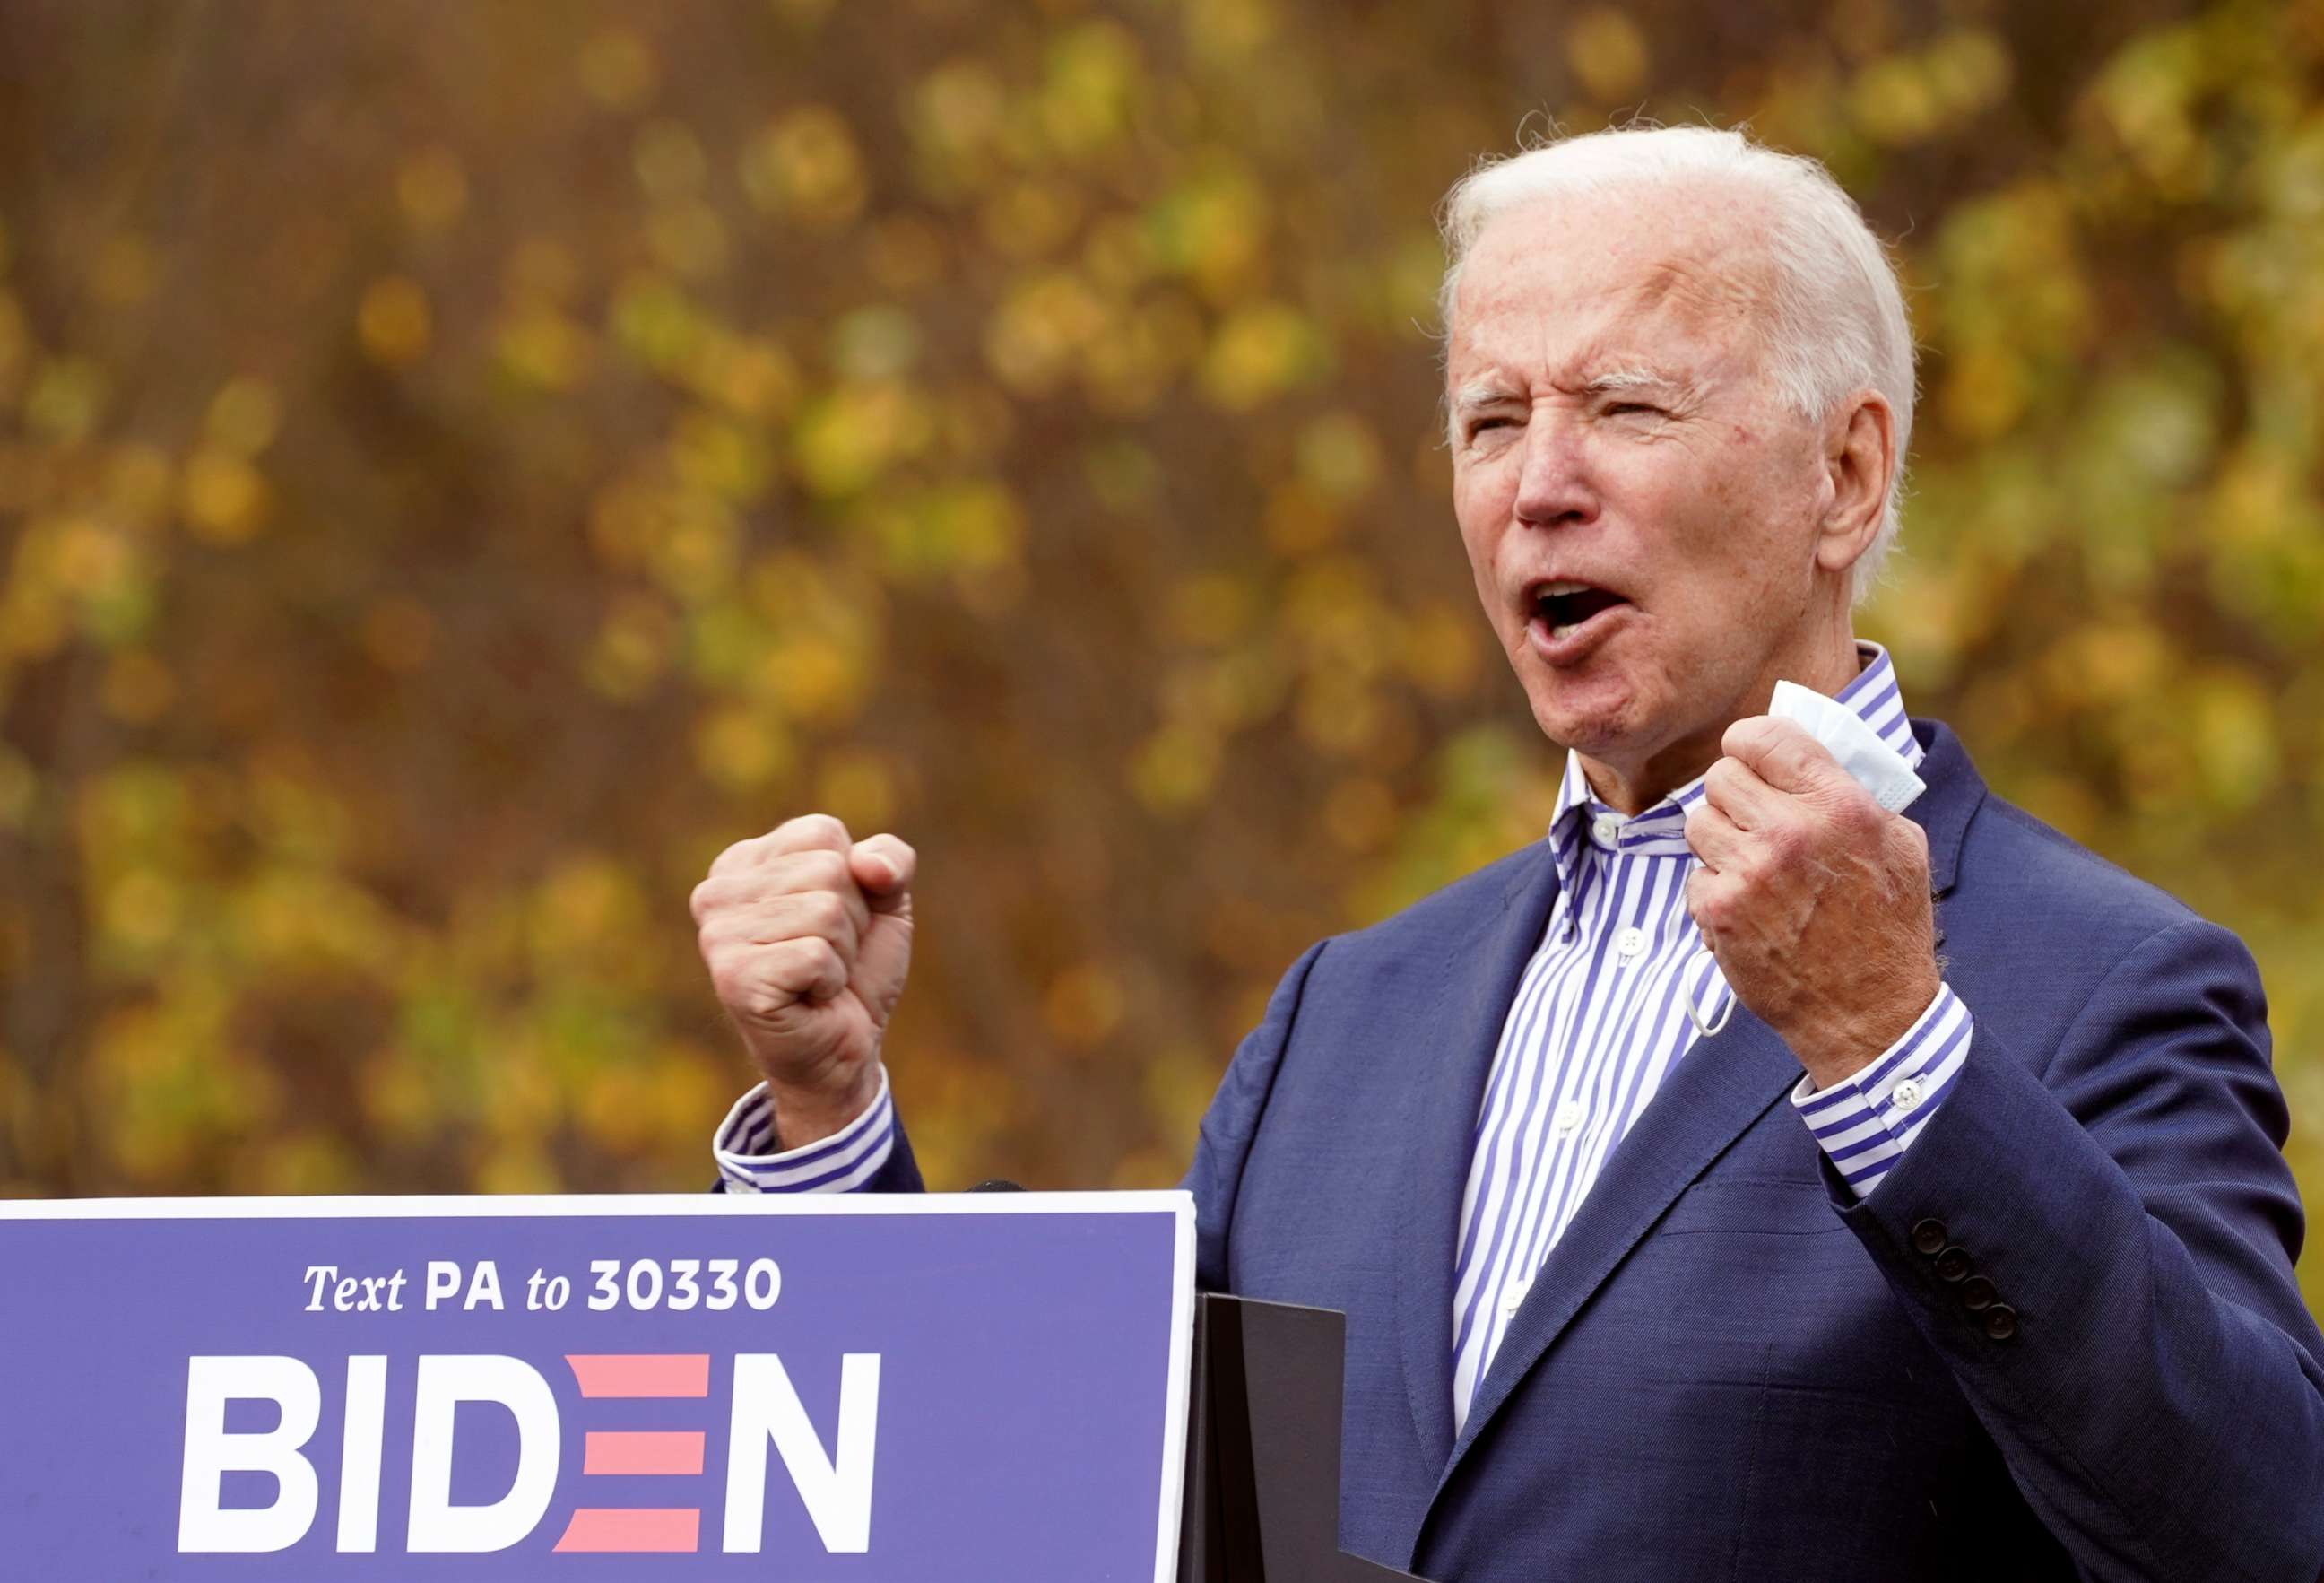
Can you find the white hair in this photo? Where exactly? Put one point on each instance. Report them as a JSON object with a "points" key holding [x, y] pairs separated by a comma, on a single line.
{"points": [[1838, 320]]}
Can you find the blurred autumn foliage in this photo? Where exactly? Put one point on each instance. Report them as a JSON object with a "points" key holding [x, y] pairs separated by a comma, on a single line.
{"points": [[460, 466]]}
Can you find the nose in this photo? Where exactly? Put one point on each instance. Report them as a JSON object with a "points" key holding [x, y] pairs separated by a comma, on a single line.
{"points": [[1554, 489]]}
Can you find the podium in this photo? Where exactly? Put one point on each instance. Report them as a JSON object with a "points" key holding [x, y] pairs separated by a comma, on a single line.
{"points": [[695, 1388], [1263, 1448], [892, 1388]]}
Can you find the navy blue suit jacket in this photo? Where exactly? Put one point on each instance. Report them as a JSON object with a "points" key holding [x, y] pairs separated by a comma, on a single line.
{"points": [[1729, 1369]]}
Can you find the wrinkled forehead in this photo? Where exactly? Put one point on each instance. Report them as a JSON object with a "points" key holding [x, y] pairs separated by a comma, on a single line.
{"points": [[1549, 284]]}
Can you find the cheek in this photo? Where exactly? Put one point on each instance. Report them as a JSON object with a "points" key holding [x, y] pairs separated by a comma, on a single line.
{"points": [[1681, 491], [1480, 505], [1726, 517]]}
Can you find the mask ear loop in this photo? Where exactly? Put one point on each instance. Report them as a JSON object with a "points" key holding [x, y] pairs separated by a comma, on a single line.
{"points": [[1708, 1029]]}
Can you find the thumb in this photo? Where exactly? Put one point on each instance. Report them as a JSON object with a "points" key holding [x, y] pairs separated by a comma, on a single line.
{"points": [[1783, 754], [882, 959], [882, 866]]}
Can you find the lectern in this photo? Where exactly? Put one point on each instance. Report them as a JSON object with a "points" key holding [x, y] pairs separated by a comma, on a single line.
{"points": [[887, 1388], [1263, 1448]]}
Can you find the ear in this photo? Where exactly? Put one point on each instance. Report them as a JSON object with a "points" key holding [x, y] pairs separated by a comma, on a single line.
{"points": [[1859, 446]]}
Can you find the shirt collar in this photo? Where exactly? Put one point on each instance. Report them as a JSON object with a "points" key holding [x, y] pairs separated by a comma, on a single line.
{"points": [[1579, 819]]}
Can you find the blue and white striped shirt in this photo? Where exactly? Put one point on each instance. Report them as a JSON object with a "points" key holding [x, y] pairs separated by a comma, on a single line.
{"points": [[840, 1163], [1600, 1018]]}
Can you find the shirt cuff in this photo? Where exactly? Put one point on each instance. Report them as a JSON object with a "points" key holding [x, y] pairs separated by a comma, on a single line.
{"points": [[1867, 1122], [841, 1163]]}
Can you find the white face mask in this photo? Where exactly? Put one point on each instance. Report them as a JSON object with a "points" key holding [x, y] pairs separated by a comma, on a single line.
{"points": [[1876, 767]]}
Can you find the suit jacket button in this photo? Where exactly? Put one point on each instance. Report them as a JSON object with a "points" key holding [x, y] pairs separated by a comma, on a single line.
{"points": [[2001, 1321], [1953, 1264], [1977, 1294], [1929, 1237]]}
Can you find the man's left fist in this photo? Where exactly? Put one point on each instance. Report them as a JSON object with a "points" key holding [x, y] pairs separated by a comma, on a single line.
{"points": [[1814, 898]]}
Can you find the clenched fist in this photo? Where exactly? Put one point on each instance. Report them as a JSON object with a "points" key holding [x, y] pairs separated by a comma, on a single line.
{"points": [[807, 935], [1814, 899]]}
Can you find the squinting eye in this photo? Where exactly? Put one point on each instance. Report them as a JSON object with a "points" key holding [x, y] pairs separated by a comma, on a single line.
{"points": [[1482, 424], [1616, 409]]}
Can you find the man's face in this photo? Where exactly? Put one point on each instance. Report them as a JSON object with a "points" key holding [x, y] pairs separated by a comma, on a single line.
{"points": [[1640, 507]]}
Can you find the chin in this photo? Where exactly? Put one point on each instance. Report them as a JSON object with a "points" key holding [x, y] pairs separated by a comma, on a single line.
{"points": [[1596, 732]]}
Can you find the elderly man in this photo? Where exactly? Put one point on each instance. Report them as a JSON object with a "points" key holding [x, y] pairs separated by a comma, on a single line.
{"points": [[1695, 1216]]}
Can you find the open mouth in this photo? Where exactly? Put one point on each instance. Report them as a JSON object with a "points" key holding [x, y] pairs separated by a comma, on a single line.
{"points": [[1565, 607]]}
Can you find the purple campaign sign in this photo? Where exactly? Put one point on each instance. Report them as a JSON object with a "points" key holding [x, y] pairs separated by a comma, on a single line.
{"points": [[849, 1390]]}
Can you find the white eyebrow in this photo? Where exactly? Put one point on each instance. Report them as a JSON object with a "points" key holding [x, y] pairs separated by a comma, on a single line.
{"points": [[1487, 392], [1484, 393], [1631, 378]]}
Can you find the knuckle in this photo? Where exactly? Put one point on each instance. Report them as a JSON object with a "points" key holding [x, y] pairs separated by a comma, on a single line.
{"points": [[1782, 838], [808, 950], [763, 1000], [825, 912], [823, 959], [737, 855], [1857, 811], [811, 832], [825, 870]]}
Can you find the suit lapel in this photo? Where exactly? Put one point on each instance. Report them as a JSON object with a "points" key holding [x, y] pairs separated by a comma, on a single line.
{"points": [[1719, 1088], [1479, 980]]}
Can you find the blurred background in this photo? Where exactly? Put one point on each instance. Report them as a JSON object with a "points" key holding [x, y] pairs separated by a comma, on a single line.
{"points": [[461, 466]]}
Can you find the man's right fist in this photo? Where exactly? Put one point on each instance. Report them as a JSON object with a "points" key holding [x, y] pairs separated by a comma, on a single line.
{"points": [[807, 935]]}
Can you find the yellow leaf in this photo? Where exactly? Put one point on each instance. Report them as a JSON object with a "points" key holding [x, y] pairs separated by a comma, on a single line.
{"points": [[805, 166], [1083, 1004], [1208, 609], [393, 321], [1606, 52], [858, 786], [1260, 352], [1174, 769], [669, 160], [225, 500], [432, 188], [1339, 456], [244, 416], [743, 750], [617, 69], [66, 399]]}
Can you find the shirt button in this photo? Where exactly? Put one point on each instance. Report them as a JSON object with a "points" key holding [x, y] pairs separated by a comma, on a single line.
{"points": [[1568, 1117], [1905, 1095], [1513, 1296], [1630, 943], [1606, 828]]}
